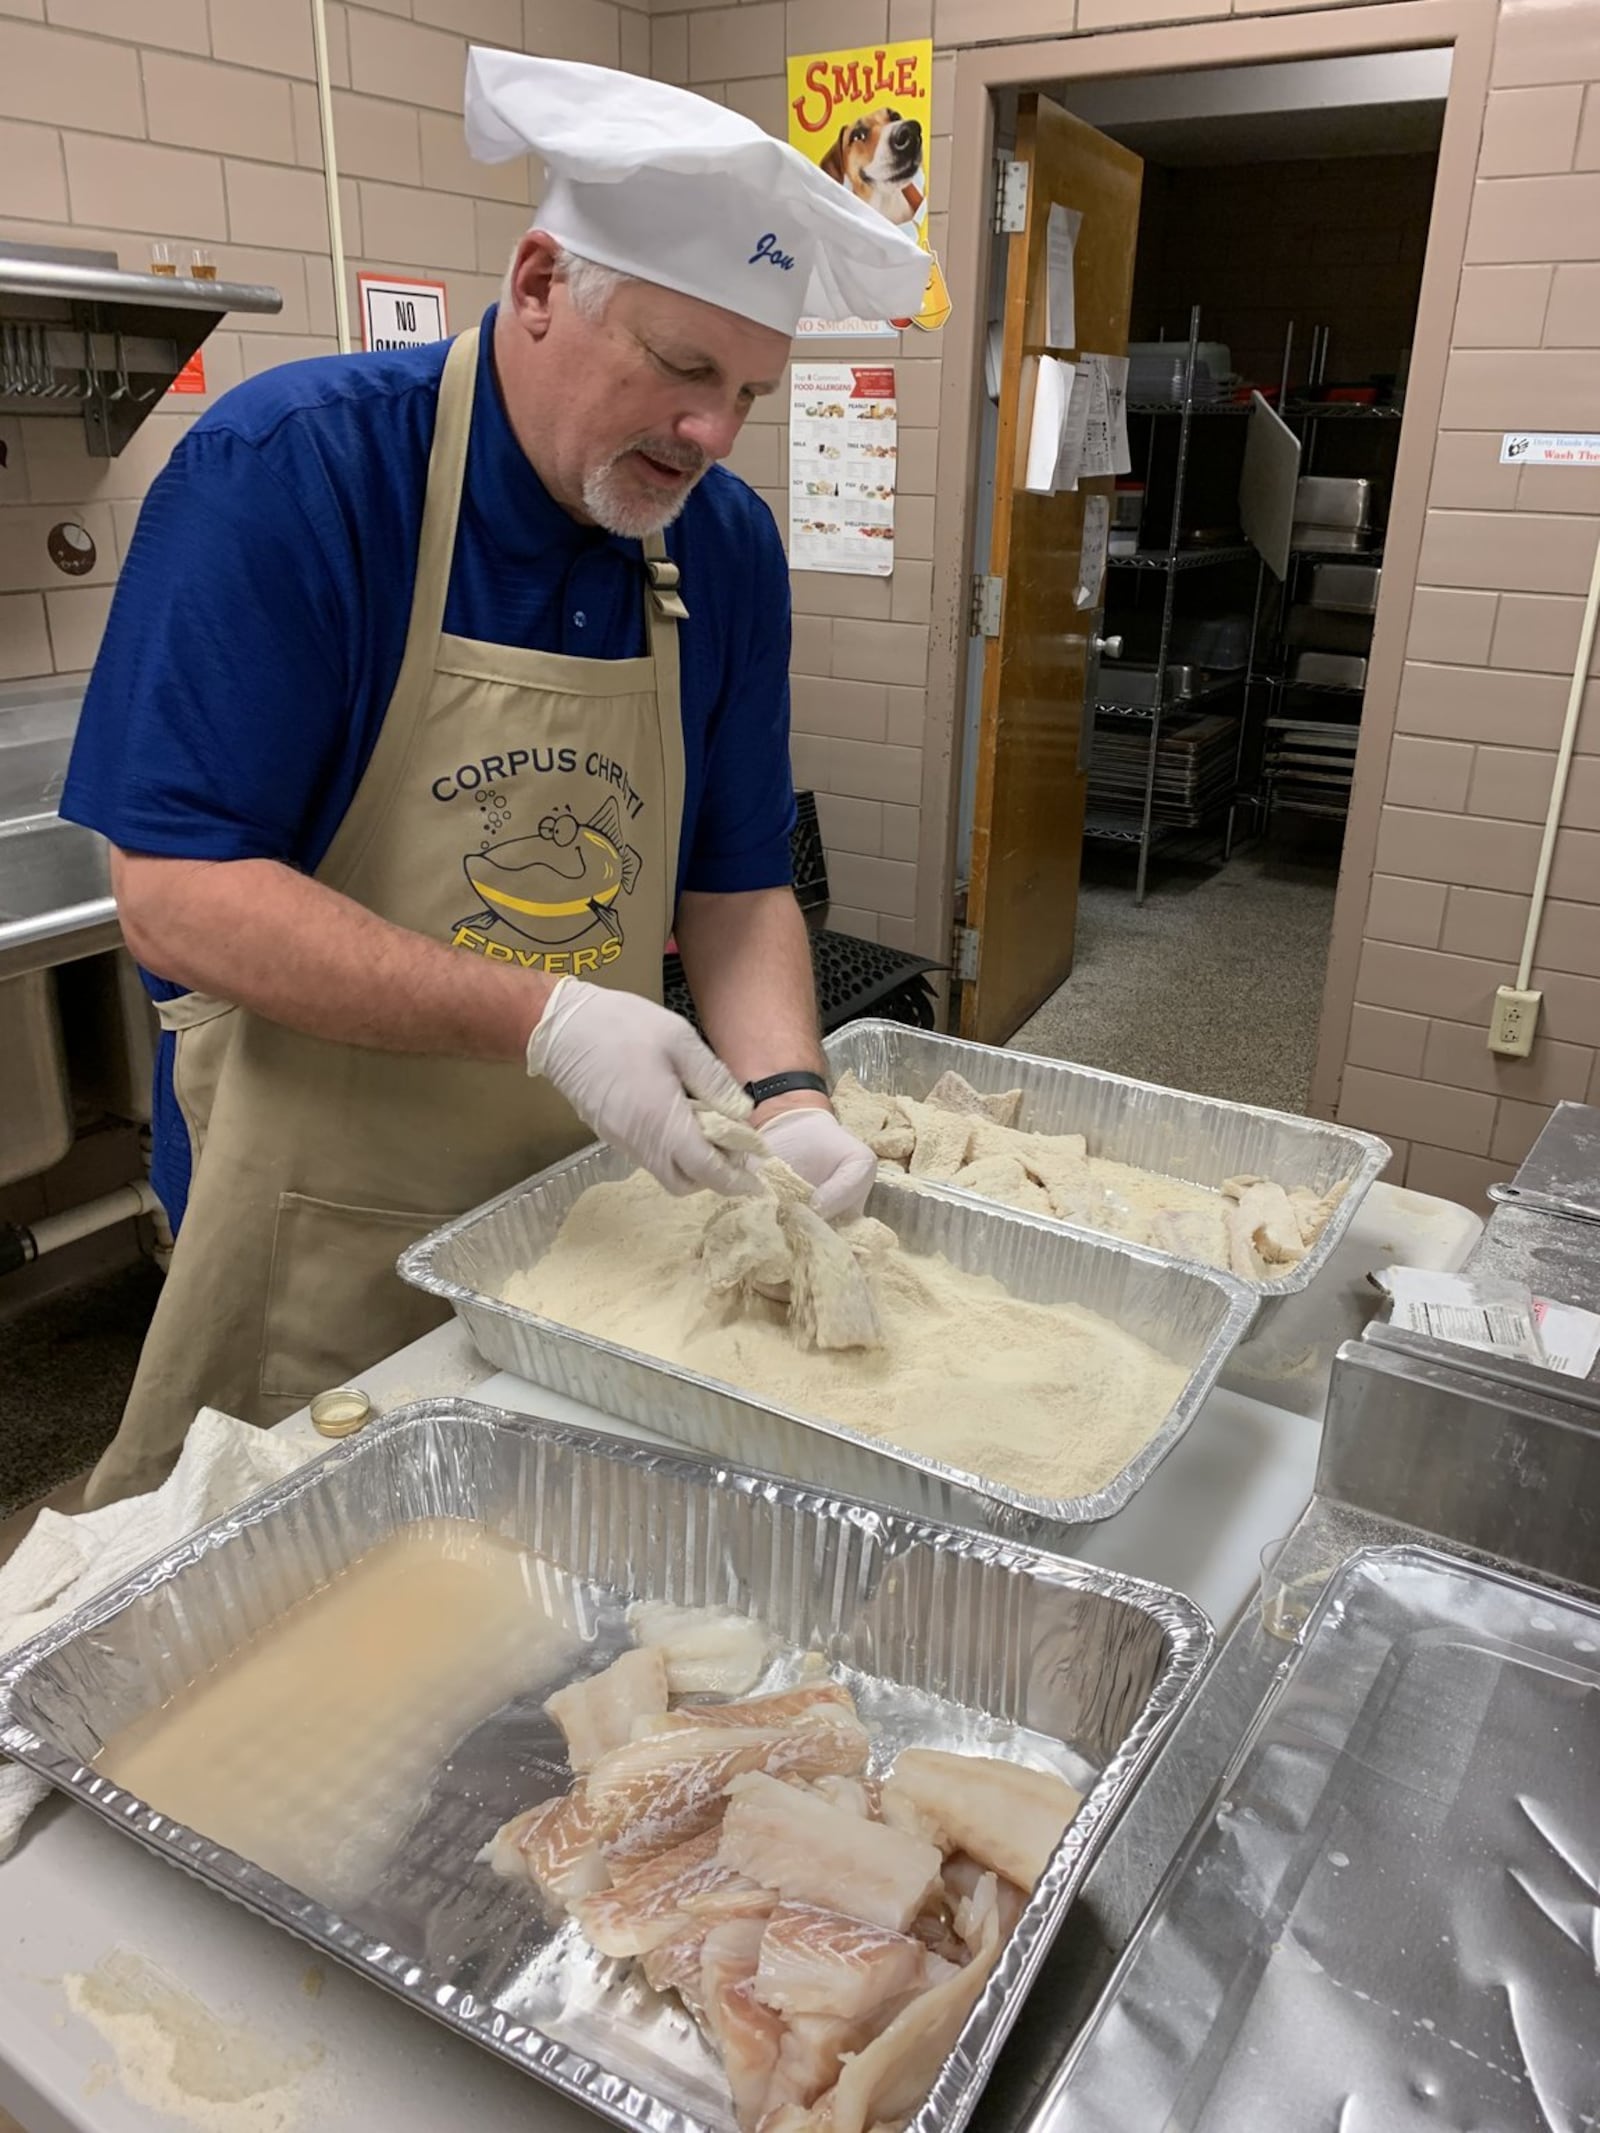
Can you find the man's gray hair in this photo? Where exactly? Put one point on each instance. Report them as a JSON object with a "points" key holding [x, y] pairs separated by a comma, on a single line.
{"points": [[590, 285]]}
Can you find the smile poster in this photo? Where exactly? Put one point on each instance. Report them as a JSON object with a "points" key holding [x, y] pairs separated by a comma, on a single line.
{"points": [[863, 118]]}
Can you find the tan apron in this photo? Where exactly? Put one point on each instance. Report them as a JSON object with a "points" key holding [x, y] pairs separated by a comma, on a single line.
{"points": [[519, 805]]}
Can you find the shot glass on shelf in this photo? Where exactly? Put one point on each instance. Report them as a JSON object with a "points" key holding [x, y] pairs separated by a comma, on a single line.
{"points": [[163, 260], [202, 264]]}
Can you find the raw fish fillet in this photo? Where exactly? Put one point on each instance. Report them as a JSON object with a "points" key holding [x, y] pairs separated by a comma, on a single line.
{"points": [[813, 1852], [668, 1787], [601, 1713], [555, 1846], [1313, 1211], [1008, 1816], [814, 1703], [852, 1796], [1242, 1258], [820, 1962], [734, 1136], [666, 1897], [674, 1966], [809, 2058], [747, 2035], [1060, 1162], [857, 1109], [708, 1650], [1271, 1223], [962, 1874], [830, 1304], [953, 1092], [867, 1237], [744, 1249], [1002, 1177], [1199, 1233], [942, 1140], [886, 2081], [895, 1140]]}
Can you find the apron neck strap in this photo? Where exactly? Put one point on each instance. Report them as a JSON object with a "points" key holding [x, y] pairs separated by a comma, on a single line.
{"points": [[447, 467]]}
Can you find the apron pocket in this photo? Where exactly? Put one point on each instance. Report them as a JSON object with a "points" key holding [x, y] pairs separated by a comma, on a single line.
{"points": [[335, 1304]]}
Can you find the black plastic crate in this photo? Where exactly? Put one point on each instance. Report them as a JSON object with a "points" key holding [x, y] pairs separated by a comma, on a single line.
{"points": [[853, 977]]}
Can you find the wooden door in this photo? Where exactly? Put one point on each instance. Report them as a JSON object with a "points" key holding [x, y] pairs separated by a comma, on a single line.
{"points": [[1027, 836]]}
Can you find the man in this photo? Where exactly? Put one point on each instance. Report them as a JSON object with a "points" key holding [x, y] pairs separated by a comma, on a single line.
{"points": [[415, 738]]}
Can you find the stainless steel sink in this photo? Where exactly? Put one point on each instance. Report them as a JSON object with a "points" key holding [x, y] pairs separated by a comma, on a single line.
{"points": [[55, 878]]}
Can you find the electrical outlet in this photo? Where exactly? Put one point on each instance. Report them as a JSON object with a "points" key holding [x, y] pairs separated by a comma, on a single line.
{"points": [[1515, 1018]]}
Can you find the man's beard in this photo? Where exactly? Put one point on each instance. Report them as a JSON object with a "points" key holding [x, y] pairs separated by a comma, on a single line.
{"points": [[617, 498]]}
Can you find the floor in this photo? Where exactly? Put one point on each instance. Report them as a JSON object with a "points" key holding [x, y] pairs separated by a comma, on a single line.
{"points": [[68, 1363], [1214, 984]]}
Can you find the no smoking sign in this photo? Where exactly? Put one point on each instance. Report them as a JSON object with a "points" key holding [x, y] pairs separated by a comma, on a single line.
{"points": [[401, 314]]}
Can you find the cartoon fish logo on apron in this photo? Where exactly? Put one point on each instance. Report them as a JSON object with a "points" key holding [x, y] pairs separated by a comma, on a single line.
{"points": [[562, 885]]}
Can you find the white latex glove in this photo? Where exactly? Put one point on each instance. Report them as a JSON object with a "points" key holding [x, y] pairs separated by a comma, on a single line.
{"points": [[633, 1071], [839, 1169]]}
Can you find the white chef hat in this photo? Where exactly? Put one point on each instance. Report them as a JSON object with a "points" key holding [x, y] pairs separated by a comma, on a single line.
{"points": [[678, 190]]}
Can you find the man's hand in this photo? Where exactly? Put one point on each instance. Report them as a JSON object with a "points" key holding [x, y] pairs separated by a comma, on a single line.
{"points": [[632, 1071], [839, 1169]]}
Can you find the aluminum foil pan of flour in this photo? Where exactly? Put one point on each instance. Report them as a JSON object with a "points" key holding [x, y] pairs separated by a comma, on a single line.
{"points": [[1190, 1314], [1200, 1139], [1390, 1918], [947, 1639]]}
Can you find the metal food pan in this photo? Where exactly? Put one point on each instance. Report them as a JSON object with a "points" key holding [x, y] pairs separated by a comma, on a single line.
{"points": [[1333, 500], [1202, 1139], [1384, 1918], [1191, 1314], [1346, 588], [1331, 670], [944, 1637]]}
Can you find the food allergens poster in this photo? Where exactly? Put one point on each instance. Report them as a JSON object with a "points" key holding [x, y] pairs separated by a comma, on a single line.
{"points": [[842, 468]]}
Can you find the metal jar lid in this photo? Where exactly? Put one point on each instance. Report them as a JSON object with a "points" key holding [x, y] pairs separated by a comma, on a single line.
{"points": [[341, 1411]]}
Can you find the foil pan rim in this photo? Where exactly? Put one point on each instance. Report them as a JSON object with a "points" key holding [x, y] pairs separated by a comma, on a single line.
{"points": [[416, 1265], [1191, 1642], [1375, 1152]]}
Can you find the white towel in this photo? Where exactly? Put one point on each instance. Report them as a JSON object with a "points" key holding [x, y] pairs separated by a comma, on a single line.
{"points": [[66, 1561]]}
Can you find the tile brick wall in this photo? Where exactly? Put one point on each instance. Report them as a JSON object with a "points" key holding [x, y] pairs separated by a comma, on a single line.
{"points": [[1342, 245], [124, 122]]}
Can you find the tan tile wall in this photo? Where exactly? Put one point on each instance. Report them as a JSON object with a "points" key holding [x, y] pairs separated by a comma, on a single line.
{"points": [[195, 121]]}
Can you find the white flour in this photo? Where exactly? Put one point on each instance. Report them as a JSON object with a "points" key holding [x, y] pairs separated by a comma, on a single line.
{"points": [[1048, 1399]]}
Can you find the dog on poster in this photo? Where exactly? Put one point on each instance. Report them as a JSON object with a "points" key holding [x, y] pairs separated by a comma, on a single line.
{"points": [[879, 157]]}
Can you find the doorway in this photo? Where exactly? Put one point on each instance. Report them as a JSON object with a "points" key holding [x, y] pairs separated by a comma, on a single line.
{"points": [[1280, 252]]}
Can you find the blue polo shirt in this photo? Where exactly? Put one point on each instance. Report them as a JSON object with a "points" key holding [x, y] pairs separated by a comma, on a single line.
{"points": [[260, 619]]}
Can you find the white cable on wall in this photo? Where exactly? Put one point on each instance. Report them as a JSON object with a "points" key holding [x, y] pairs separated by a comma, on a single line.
{"points": [[1558, 791], [330, 174]]}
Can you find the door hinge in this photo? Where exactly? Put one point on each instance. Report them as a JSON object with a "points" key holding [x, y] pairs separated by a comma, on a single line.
{"points": [[966, 954], [983, 619], [1011, 196]]}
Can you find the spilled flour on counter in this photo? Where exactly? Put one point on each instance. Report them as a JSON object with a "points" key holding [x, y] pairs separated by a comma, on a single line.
{"points": [[1048, 1399], [181, 2061]]}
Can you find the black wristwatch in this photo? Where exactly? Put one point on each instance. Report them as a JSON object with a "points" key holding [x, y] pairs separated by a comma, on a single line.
{"points": [[786, 1085]]}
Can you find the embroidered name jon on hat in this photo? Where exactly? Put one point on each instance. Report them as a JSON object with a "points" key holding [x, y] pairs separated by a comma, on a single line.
{"points": [[660, 183]]}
